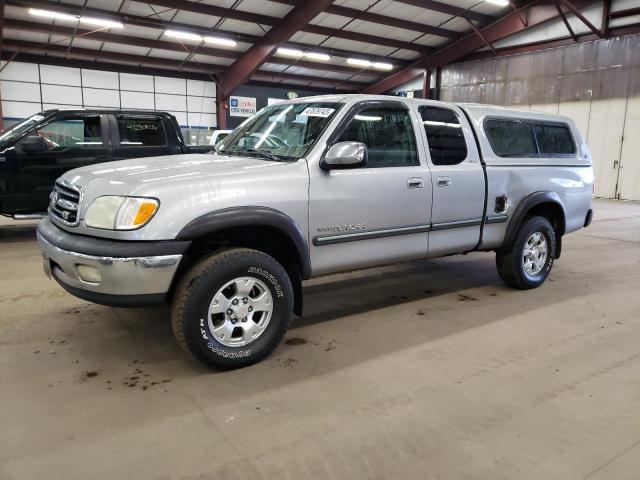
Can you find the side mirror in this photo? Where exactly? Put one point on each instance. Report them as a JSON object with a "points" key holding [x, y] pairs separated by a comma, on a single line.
{"points": [[31, 144], [345, 155]]}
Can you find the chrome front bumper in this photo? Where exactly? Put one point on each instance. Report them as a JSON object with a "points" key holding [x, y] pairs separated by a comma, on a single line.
{"points": [[112, 276]]}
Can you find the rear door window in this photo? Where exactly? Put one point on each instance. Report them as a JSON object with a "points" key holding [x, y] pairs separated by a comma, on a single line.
{"points": [[142, 131], [554, 139], [447, 145]]}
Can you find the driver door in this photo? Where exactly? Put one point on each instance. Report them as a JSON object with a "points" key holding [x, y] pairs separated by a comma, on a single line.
{"points": [[72, 141], [378, 213]]}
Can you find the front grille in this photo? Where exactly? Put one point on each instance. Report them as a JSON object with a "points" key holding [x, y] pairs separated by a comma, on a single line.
{"points": [[65, 203]]}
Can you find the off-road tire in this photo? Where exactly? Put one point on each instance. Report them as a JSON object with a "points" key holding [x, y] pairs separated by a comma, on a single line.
{"points": [[509, 260], [196, 290]]}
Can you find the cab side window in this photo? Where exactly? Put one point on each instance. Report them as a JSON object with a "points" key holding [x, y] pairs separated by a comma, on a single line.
{"points": [[388, 135], [145, 131], [447, 145], [83, 131]]}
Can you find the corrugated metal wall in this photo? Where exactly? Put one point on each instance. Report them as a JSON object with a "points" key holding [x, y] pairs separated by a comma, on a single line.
{"points": [[597, 84], [584, 71]]}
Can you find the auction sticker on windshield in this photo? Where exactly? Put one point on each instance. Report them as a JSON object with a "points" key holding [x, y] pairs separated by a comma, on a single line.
{"points": [[317, 112]]}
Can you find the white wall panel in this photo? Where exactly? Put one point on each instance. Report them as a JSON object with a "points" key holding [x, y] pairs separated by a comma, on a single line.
{"points": [[201, 104], [61, 95], [579, 112], [181, 117], [99, 97], [25, 92], [200, 88], [551, 108], [138, 100], [100, 79], [25, 72], [19, 109], [166, 101], [629, 180], [171, 85], [192, 102], [138, 83], [605, 140], [60, 75], [202, 120]]}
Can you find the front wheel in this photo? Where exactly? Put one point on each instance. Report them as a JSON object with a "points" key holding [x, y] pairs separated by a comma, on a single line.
{"points": [[527, 262], [232, 308]]}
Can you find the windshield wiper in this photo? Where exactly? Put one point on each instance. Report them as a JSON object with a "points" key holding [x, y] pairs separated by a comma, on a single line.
{"points": [[262, 153]]}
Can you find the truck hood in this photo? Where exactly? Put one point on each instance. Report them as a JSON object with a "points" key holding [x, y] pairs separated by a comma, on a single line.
{"points": [[142, 175]]}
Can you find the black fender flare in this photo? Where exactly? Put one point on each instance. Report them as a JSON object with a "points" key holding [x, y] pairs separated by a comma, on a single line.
{"points": [[248, 216], [526, 204]]}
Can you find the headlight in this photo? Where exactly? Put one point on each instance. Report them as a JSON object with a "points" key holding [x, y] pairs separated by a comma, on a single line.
{"points": [[120, 213]]}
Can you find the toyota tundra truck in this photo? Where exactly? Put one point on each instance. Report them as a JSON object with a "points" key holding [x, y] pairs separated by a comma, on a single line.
{"points": [[311, 187]]}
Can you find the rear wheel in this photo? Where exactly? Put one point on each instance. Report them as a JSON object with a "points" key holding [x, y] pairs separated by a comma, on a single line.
{"points": [[232, 308], [527, 262]]}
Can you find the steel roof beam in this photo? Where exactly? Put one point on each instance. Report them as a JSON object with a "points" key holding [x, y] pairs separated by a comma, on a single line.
{"points": [[536, 12], [171, 46], [449, 10], [242, 69], [206, 9], [156, 23], [20, 46]]}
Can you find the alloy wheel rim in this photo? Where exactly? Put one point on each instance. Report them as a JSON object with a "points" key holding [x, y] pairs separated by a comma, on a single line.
{"points": [[534, 254], [240, 312]]}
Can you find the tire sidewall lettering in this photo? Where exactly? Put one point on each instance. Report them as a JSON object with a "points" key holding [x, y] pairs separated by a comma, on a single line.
{"points": [[273, 281]]}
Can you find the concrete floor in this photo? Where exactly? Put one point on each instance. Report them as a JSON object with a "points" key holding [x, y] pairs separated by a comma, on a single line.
{"points": [[426, 370]]}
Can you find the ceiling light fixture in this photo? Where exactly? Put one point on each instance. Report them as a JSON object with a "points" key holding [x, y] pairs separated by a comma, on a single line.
{"points": [[382, 66], [317, 56], [100, 22], [183, 35], [290, 52], [500, 3], [227, 42], [359, 62], [50, 14]]}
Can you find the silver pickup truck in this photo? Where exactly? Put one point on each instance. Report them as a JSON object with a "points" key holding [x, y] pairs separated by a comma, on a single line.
{"points": [[311, 187]]}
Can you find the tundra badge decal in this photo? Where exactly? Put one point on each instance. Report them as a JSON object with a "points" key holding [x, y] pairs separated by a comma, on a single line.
{"points": [[353, 227]]}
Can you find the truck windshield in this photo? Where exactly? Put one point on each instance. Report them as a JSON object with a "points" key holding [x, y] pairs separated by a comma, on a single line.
{"points": [[18, 129], [283, 132]]}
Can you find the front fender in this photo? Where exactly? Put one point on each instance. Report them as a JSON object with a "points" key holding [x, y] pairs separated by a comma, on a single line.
{"points": [[243, 216]]}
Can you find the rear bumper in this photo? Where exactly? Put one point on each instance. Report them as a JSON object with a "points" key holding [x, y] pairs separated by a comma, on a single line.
{"points": [[109, 272]]}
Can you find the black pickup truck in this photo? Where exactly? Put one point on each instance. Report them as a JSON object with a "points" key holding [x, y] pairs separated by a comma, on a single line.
{"points": [[36, 151]]}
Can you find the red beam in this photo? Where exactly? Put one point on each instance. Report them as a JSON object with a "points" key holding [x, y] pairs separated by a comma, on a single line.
{"points": [[565, 21], [205, 9], [426, 4], [449, 10], [606, 12], [166, 45], [158, 24], [481, 35], [625, 13], [391, 21], [240, 71], [545, 45], [96, 57], [536, 12], [582, 18]]}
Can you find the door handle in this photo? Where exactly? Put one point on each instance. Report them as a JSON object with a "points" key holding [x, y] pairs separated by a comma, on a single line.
{"points": [[415, 182], [443, 181]]}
